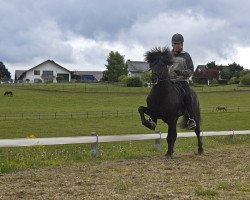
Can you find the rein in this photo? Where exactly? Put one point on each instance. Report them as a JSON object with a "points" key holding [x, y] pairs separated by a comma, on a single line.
{"points": [[158, 80]]}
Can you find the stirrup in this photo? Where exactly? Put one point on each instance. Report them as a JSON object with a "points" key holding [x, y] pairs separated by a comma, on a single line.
{"points": [[191, 123]]}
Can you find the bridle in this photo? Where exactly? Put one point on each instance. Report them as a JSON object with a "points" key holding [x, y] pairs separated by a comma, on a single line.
{"points": [[158, 79]]}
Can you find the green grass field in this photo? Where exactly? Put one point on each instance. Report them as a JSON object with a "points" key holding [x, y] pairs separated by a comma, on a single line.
{"points": [[108, 110], [49, 110]]}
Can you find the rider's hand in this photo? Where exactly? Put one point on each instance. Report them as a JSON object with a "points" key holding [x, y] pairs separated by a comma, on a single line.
{"points": [[178, 72]]}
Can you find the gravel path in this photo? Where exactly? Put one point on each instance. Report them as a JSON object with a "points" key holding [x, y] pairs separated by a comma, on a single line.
{"points": [[218, 174]]}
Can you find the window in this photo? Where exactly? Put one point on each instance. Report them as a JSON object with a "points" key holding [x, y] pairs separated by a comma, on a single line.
{"points": [[36, 72], [47, 74]]}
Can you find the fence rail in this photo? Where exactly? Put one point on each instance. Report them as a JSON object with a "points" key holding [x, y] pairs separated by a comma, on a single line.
{"points": [[100, 114], [113, 87], [94, 138]]}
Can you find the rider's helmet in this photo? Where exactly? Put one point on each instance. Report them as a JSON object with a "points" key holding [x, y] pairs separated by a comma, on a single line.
{"points": [[177, 38]]}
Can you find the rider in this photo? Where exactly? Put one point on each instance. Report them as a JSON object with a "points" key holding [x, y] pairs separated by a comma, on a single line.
{"points": [[180, 72]]}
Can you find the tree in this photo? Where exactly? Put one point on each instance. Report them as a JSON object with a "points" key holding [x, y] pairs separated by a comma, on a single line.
{"points": [[4, 73], [116, 67], [207, 74], [212, 65], [235, 69]]}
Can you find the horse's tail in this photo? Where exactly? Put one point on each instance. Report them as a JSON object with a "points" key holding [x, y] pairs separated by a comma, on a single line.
{"points": [[196, 112]]}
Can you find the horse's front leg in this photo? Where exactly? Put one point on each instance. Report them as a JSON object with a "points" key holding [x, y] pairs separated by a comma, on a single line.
{"points": [[171, 138], [151, 124]]}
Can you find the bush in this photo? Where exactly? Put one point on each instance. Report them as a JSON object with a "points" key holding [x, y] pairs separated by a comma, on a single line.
{"points": [[234, 80], [37, 80], [245, 80], [214, 82], [222, 81], [199, 80], [59, 78], [134, 82], [123, 79]]}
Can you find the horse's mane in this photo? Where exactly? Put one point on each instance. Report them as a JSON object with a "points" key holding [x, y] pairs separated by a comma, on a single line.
{"points": [[159, 53]]}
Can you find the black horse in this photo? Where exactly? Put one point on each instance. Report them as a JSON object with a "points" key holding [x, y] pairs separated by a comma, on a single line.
{"points": [[165, 100], [8, 93]]}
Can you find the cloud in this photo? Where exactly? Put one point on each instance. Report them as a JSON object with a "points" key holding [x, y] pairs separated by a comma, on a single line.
{"points": [[80, 34]]}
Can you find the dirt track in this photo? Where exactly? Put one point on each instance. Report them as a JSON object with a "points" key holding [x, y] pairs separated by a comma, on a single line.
{"points": [[217, 174]]}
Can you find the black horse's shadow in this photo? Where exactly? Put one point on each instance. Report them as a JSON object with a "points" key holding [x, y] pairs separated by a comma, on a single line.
{"points": [[165, 100]]}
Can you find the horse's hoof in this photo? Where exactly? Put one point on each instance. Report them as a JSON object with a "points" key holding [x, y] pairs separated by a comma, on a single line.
{"points": [[149, 124], [200, 151], [168, 156], [153, 125]]}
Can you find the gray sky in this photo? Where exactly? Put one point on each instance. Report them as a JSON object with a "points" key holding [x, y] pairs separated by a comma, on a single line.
{"points": [[79, 34]]}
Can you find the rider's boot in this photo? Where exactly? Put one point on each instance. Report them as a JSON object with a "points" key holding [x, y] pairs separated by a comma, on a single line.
{"points": [[191, 124]]}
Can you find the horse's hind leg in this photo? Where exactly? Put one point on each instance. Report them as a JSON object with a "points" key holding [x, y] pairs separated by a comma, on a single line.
{"points": [[199, 138], [149, 124]]}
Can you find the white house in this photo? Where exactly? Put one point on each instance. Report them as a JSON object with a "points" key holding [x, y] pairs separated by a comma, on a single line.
{"points": [[48, 71], [136, 68]]}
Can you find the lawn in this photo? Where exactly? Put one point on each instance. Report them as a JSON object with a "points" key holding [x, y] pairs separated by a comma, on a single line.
{"points": [[70, 110], [50, 110]]}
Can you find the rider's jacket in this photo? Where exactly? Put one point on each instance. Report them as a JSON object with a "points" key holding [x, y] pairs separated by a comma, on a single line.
{"points": [[182, 62]]}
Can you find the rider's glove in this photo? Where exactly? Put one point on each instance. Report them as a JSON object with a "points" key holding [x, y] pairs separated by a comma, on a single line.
{"points": [[178, 72]]}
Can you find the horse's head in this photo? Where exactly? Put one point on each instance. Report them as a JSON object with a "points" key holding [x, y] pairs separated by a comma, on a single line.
{"points": [[159, 59]]}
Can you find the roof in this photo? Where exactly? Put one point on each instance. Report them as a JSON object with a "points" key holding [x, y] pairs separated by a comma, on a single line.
{"points": [[201, 67], [97, 74], [19, 73], [137, 66], [51, 61]]}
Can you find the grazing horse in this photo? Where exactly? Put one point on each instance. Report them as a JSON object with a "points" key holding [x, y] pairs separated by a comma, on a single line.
{"points": [[221, 108], [8, 93], [165, 100]]}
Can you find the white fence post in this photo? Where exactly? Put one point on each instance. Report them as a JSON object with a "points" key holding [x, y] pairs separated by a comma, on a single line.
{"points": [[158, 144], [232, 137], [94, 146]]}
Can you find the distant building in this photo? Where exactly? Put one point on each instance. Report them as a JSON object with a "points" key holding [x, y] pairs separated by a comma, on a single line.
{"points": [[136, 68], [18, 74], [88, 76], [48, 71], [200, 68]]}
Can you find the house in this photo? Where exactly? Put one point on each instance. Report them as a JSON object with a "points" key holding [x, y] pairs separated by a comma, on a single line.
{"points": [[88, 76], [18, 74], [48, 71], [136, 68], [200, 68]]}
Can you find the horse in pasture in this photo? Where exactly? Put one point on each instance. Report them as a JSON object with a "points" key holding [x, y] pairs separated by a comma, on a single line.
{"points": [[221, 108], [165, 100], [8, 93]]}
